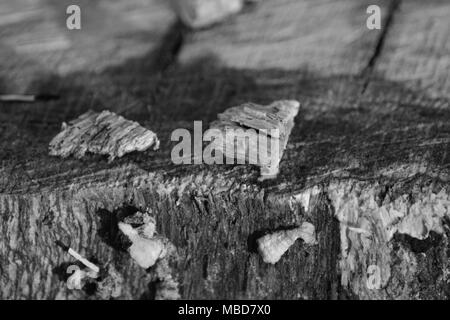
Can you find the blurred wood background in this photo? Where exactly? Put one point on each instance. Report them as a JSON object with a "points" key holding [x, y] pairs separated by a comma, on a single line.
{"points": [[375, 115]]}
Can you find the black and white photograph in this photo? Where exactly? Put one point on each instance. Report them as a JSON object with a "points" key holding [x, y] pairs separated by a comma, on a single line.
{"points": [[225, 154]]}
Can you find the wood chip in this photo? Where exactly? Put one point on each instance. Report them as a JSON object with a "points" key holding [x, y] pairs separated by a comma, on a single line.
{"points": [[274, 121], [147, 247], [202, 13], [273, 246], [104, 133]]}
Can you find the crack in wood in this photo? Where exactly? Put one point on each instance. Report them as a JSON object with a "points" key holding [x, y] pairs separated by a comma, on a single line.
{"points": [[367, 71], [171, 45]]}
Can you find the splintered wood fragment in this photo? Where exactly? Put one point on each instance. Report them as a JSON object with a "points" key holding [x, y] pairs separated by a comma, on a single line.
{"points": [[147, 247], [259, 134], [104, 133], [273, 246], [202, 13]]}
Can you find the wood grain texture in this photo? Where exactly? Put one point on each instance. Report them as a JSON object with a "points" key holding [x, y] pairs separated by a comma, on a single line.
{"points": [[417, 48], [325, 37], [37, 42], [356, 131], [101, 133]]}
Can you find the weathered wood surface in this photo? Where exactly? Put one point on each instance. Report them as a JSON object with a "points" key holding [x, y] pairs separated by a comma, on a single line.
{"points": [[365, 137], [417, 51], [292, 35], [37, 43]]}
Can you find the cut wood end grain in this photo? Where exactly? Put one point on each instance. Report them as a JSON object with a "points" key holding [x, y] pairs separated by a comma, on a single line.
{"points": [[104, 133]]}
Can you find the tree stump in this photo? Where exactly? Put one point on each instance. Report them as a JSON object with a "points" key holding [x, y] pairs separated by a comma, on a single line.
{"points": [[367, 162]]}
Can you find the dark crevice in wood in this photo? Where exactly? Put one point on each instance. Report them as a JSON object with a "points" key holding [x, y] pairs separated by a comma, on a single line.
{"points": [[172, 43], [326, 278], [245, 276], [152, 288], [109, 230], [367, 71], [205, 266], [417, 245]]}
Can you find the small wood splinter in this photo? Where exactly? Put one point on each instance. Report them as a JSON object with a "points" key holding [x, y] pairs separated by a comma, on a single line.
{"points": [[273, 246], [79, 257]]}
